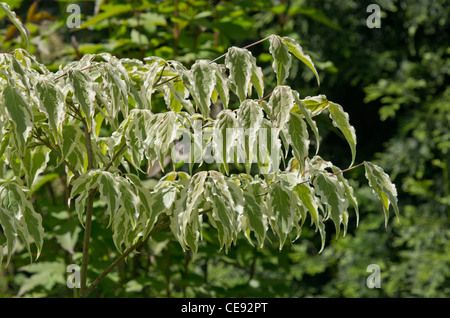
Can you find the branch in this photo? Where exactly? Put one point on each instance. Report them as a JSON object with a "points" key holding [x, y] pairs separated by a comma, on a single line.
{"points": [[157, 228], [115, 156], [217, 58], [83, 69], [86, 242], [57, 153]]}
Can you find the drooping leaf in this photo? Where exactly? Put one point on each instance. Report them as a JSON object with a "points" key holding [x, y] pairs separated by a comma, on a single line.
{"points": [[18, 219], [307, 114], [83, 94], [204, 80], [332, 194], [51, 102], [221, 84], [224, 134], [282, 59], [297, 51], [281, 102], [279, 203], [249, 116], [255, 217], [20, 115], [238, 62], [35, 162], [381, 184], [340, 120], [299, 139], [12, 16], [306, 195], [348, 191]]}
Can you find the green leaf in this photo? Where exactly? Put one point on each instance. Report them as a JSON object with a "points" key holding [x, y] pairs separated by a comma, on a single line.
{"points": [[109, 192], [19, 219], [35, 162], [221, 84], [281, 102], [256, 219], [281, 58], [257, 78], [249, 116], [51, 102], [109, 11], [340, 120], [204, 80], [348, 191], [381, 184], [299, 139], [12, 16], [307, 197], [279, 203], [332, 194], [83, 94], [45, 274], [224, 135], [307, 114], [297, 51], [20, 115], [316, 104], [239, 63]]}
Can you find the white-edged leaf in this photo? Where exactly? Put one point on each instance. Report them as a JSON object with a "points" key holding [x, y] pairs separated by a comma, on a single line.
{"points": [[249, 116], [297, 51], [299, 139], [307, 114], [282, 59], [283, 214], [83, 94], [204, 80], [340, 120], [281, 102], [381, 184], [224, 135], [12, 16], [20, 115], [51, 102], [332, 194], [239, 63]]}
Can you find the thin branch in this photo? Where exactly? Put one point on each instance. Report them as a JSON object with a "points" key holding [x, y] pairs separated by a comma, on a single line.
{"points": [[267, 96], [113, 265], [116, 155], [86, 242], [83, 69], [57, 153], [217, 58], [360, 164]]}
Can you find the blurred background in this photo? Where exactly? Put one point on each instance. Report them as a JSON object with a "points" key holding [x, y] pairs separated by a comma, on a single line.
{"points": [[393, 82]]}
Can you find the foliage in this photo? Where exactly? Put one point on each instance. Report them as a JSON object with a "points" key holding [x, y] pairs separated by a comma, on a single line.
{"points": [[100, 120]]}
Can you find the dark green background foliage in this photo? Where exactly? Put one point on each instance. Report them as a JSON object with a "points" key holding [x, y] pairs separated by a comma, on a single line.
{"points": [[393, 83]]}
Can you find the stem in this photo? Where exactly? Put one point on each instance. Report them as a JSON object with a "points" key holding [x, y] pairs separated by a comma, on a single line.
{"points": [[83, 69], [333, 174], [132, 248], [115, 156], [86, 242], [89, 210], [53, 149]]}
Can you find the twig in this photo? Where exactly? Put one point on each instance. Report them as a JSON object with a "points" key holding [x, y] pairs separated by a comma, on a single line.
{"points": [[83, 69], [115, 156]]}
